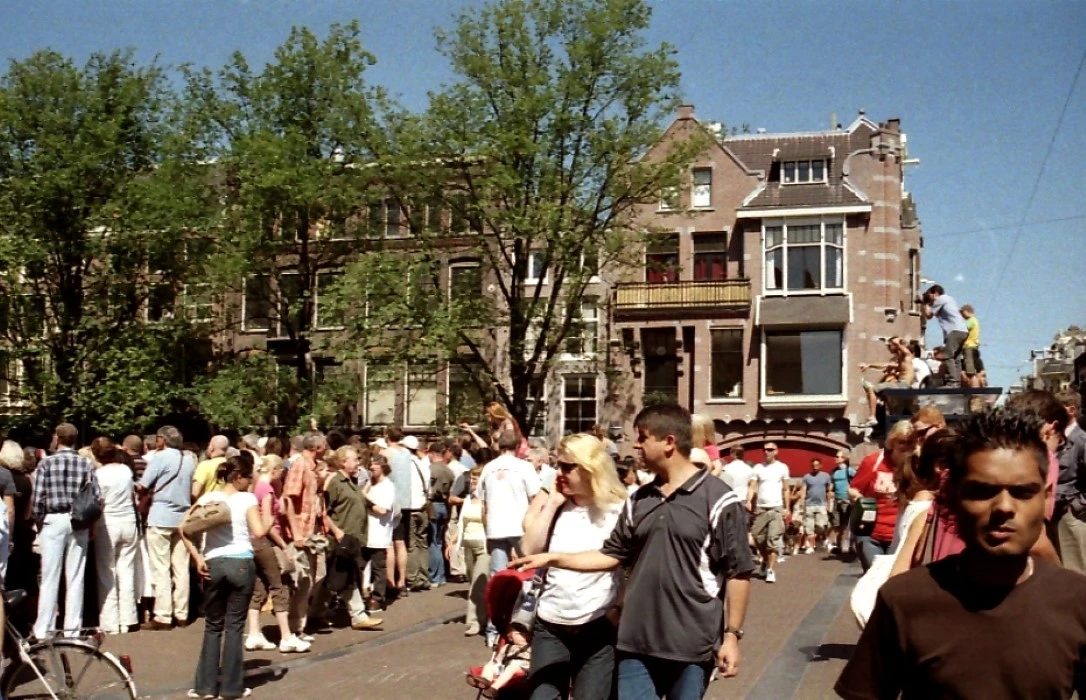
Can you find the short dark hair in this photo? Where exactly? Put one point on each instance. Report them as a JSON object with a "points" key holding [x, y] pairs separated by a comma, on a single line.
{"points": [[454, 449], [336, 439], [381, 461], [666, 419], [1070, 399], [67, 434], [438, 446], [997, 428], [936, 289], [235, 467], [738, 451], [393, 433], [1042, 403]]}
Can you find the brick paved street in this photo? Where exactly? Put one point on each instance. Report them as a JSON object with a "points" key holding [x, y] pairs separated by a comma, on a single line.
{"points": [[798, 634]]}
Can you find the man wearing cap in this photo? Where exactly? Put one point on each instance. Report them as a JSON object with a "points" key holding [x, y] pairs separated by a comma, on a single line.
{"points": [[416, 513]]}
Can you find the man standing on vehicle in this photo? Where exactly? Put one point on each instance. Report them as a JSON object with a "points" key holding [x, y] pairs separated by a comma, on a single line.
{"points": [[941, 306]]}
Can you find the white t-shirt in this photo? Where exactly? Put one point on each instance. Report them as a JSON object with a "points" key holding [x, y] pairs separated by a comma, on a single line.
{"points": [[420, 482], [117, 486], [921, 370], [382, 495], [506, 486], [737, 474], [574, 597], [231, 540], [771, 478]]}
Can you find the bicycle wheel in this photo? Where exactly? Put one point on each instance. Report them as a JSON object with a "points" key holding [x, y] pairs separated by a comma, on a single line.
{"points": [[68, 669]]}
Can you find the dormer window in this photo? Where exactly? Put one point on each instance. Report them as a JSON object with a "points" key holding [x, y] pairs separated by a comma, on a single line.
{"points": [[796, 172]]}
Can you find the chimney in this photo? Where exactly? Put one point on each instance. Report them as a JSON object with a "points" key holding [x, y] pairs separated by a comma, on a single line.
{"points": [[686, 111], [893, 125]]}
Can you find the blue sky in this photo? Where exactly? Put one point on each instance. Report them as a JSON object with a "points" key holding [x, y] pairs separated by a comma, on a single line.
{"points": [[979, 87]]}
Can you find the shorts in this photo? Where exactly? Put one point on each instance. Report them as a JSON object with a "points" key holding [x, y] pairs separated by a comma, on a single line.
{"points": [[814, 518], [839, 516], [971, 362], [401, 530], [768, 529]]}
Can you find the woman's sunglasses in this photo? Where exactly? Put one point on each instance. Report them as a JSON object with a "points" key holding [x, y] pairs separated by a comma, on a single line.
{"points": [[566, 467]]}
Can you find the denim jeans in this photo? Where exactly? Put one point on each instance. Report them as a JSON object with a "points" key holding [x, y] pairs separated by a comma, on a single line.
{"points": [[220, 671], [501, 551], [581, 655], [63, 553], [439, 522], [646, 678], [867, 547]]}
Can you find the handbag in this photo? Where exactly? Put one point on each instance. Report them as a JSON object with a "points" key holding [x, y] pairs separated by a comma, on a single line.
{"points": [[205, 516], [531, 591], [863, 516], [86, 506]]}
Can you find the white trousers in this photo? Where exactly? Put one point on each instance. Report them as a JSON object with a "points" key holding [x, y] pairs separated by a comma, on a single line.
{"points": [[116, 545], [63, 552]]}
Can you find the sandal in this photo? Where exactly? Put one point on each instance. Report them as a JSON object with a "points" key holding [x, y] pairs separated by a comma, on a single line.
{"points": [[491, 692], [477, 681]]}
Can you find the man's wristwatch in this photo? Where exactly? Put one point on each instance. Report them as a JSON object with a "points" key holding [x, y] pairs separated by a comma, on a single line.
{"points": [[736, 631]]}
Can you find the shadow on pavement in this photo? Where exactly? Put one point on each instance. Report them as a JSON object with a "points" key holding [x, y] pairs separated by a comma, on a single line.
{"points": [[825, 652]]}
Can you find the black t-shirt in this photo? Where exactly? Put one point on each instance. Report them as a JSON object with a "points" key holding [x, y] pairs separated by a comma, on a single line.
{"points": [[683, 549], [931, 636]]}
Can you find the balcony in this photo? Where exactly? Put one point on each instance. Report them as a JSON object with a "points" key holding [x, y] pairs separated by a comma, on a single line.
{"points": [[687, 299]]}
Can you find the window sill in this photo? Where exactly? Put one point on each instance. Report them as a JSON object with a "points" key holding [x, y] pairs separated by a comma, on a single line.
{"points": [[836, 292], [732, 401], [586, 357], [799, 401], [705, 209]]}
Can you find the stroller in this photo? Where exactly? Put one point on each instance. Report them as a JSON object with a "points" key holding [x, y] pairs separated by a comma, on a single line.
{"points": [[501, 596]]}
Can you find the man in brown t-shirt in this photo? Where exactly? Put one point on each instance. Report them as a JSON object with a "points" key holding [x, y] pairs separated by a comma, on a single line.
{"points": [[991, 622]]}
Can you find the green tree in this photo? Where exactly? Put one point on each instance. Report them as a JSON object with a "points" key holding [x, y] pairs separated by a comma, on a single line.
{"points": [[532, 164], [93, 242], [291, 147]]}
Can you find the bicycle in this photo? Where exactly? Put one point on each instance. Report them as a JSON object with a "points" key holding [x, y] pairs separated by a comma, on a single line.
{"points": [[63, 668]]}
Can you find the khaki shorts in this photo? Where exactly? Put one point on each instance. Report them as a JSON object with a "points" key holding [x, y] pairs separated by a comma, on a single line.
{"points": [[768, 529], [815, 518]]}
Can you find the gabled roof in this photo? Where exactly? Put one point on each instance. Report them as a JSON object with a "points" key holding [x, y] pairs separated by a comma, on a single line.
{"points": [[762, 151]]}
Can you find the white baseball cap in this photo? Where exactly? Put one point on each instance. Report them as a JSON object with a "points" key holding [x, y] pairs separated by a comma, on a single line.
{"points": [[410, 442]]}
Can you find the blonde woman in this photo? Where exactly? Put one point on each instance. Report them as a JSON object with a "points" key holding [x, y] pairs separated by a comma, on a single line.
{"points": [[471, 537], [574, 637], [704, 437]]}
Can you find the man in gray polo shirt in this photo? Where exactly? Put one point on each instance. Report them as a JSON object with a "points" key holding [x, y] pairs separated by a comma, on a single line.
{"points": [[685, 536], [941, 306]]}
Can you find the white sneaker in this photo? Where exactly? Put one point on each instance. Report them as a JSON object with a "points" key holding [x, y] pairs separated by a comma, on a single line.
{"points": [[809, 550], [307, 638], [258, 643], [293, 645], [770, 576]]}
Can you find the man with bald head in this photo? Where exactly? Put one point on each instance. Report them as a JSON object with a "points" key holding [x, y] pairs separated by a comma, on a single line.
{"points": [[204, 478], [133, 445]]}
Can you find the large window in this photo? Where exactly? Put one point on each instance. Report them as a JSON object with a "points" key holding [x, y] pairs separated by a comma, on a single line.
{"points": [[465, 282], [257, 314], [661, 361], [465, 400], [328, 310], [727, 355], [421, 399], [578, 404], [381, 394], [797, 172], [584, 331], [804, 257], [662, 260], [803, 363], [536, 273], [199, 303], [392, 219], [710, 256], [701, 196], [914, 279]]}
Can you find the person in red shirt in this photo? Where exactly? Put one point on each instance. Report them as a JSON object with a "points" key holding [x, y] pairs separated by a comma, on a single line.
{"points": [[875, 479]]}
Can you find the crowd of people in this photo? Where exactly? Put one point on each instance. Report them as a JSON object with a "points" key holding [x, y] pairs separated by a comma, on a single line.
{"points": [[299, 527]]}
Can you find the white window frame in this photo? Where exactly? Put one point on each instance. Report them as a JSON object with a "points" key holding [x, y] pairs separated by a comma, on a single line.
{"points": [[317, 323], [590, 339], [810, 171], [669, 199], [701, 195], [407, 372], [530, 279], [245, 326], [734, 397], [460, 265], [913, 273], [822, 222], [16, 371], [596, 384], [190, 308], [367, 419], [388, 205], [802, 400]]}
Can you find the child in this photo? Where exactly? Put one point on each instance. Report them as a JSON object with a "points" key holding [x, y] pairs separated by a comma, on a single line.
{"points": [[510, 661]]}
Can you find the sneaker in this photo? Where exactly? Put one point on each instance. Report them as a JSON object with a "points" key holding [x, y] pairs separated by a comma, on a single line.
{"points": [[293, 645], [870, 422], [196, 696], [491, 640], [153, 625], [367, 623], [809, 550], [770, 576], [307, 638], [259, 643], [471, 631]]}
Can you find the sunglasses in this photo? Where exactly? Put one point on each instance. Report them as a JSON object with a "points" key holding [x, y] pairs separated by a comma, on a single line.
{"points": [[771, 449], [566, 467]]}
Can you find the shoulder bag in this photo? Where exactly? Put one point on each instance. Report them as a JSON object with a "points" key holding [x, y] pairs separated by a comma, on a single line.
{"points": [[531, 591], [202, 517], [429, 507], [86, 506], [147, 498]]}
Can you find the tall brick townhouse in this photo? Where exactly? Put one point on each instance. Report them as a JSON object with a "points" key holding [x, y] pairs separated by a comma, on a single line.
{"points": [[789, 260], [780, 264]]}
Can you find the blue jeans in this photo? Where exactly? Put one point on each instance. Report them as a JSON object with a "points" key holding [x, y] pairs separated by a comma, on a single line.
{"points": [[439, 522], [867, 548], [579, 655], [646, 678], [220, 671], [501, 551]]}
